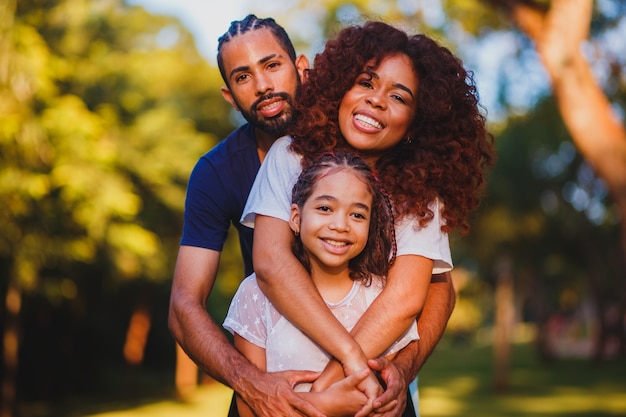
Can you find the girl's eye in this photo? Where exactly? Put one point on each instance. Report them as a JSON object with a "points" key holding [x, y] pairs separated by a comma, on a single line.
{"points": [[359, 216], [323, 208], [365, 83]]}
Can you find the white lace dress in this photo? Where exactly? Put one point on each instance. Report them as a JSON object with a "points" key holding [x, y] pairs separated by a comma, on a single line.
{"points": [[254, 318]]}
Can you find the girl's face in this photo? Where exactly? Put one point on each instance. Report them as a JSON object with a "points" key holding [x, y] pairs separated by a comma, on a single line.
{"points": [[375, 114], [334, 221]]}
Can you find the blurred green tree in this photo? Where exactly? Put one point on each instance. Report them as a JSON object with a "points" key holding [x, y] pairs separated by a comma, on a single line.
{"points": [[104, 110]]}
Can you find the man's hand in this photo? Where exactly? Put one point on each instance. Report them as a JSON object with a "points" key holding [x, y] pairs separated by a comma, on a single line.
{"points": [[393, 401], [272, 395]]}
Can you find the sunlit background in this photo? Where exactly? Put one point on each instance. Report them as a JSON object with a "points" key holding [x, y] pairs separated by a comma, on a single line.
{"points": [[105, 106]]}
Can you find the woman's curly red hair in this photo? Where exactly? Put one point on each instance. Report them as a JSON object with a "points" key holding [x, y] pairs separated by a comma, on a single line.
{"points": [[450, 147]]}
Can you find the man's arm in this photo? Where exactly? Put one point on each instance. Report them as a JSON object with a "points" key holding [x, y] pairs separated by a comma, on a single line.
{"points": [[202, 339], [431, 324]]}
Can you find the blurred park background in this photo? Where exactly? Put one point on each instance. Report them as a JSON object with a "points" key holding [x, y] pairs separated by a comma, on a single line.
{"points": [[105, 108]]}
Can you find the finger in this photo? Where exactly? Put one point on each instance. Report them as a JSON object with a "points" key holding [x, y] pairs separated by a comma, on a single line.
{"points": [[385, 398], [377, 364], [365, 411], [387, 407], [305, 408], [295, 377], [354, 379]]}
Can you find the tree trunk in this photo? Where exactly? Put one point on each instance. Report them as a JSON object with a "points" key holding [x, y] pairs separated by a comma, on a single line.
{"points": [[559, 33], [504, 323], [11, 344], [186, 378]]}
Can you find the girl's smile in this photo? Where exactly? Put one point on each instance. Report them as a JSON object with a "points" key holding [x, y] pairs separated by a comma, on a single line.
{"points": [[334, 221]]}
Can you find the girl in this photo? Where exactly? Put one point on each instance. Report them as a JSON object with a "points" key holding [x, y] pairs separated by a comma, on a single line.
{"points": [[411, 109], [343, 229]]}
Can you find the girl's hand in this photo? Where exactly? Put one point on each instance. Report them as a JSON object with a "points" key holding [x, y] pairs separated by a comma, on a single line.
{"points": [[343, 398]]}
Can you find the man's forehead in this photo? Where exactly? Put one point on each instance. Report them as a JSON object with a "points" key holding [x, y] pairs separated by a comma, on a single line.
{"points": [[250, 50], [262, 39]]}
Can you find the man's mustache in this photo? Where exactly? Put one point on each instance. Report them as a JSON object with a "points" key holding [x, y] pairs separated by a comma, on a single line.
{"points": [[284, 96]]}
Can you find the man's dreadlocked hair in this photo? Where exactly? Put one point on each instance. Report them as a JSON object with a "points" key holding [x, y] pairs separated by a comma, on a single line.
{"points": [[380, 249], [251, 22]]}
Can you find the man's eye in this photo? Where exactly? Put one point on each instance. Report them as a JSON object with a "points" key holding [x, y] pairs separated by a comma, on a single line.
{"points": [[241, 78]]}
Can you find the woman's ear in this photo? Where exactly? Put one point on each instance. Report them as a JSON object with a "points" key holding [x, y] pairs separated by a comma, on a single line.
{"points": [[294, 219]]}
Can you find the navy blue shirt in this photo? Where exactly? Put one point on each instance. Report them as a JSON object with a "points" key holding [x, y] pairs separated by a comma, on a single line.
{"points": [[217, 192]]}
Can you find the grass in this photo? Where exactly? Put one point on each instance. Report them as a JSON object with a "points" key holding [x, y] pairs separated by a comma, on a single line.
{"points": [[456, 381]]}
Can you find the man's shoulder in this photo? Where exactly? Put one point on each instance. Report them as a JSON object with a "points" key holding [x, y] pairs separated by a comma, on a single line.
{"points": [[240, 140]]}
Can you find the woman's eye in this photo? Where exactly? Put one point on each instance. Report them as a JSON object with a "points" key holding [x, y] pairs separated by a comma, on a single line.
{"points": [[398, 98]]}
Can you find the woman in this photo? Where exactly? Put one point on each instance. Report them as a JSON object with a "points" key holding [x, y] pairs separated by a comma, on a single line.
{"points": [[411, 110]]}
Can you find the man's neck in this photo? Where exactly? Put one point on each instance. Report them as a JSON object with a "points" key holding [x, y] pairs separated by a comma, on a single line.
{"points": [[263, 142]]}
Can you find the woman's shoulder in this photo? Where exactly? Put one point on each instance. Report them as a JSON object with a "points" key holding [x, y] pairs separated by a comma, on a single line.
{"points": [[282, 144]]}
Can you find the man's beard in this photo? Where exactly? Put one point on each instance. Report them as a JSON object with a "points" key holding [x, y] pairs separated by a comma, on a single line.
{"points": [[275, 126]]}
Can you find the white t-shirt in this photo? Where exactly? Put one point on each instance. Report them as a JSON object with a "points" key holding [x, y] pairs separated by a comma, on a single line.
{"points": [[271, 196], [252, 316]]}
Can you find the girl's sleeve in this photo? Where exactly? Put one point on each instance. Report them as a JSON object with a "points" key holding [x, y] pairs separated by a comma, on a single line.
{"points": [[271, 192], [248, 312]]}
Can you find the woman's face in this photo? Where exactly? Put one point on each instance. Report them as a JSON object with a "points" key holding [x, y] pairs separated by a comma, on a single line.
{"points": [[375, 114]]}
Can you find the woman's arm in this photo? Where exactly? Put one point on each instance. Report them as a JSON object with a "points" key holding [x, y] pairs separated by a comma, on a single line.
{"points": [[396, 307], [287, 284], [376, 331]]}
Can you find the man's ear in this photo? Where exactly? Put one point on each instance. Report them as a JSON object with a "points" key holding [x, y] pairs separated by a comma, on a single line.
{"points": [[228, 96], [302, 64], [294, 219]]}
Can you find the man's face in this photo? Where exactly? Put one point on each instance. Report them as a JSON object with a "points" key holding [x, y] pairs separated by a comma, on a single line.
{"points": [[262, 80]]}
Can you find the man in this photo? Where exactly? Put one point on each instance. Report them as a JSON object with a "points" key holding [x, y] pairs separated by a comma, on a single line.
{"points": [[262, 72]]}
